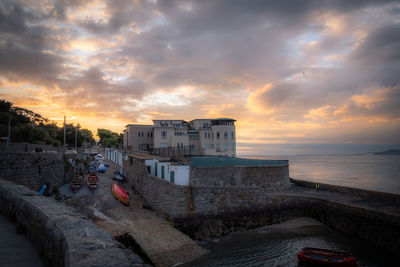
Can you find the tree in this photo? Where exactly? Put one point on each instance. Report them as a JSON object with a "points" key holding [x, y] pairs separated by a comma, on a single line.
{"points": [[28, 126], [108, 138]]}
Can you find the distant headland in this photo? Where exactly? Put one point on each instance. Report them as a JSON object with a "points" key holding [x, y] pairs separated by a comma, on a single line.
{"points": [[388, 152]]}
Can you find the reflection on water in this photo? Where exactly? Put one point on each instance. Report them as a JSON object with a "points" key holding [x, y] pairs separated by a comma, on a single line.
{"points": [[278, 245], [373, 172]]}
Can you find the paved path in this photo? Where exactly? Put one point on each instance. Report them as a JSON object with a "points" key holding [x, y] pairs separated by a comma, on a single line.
{"points": [[162, 243], [15, 250]]}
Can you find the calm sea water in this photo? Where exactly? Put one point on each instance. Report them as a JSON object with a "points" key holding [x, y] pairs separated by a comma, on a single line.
{"points": [[278, 245], [373, 172]]}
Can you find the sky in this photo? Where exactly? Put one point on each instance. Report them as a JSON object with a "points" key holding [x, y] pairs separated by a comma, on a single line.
{"points": [[290, 72]]}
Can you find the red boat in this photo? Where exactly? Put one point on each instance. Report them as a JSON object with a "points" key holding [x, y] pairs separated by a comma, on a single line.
{"points": [[326, 257], [120, 194], [93, 181]]}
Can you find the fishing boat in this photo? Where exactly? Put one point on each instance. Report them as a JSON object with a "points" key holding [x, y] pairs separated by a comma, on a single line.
{"points": [[120, 194], [326, 257], [118, 176], [93, 181], [78, 181]]}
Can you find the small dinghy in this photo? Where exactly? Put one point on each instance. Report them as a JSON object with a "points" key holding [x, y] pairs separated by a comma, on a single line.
{"points": [[92, 168], [99, 157], [78, 181], [101, 168], [326, 257], [120, 194], [118, 176], [93, 181]]}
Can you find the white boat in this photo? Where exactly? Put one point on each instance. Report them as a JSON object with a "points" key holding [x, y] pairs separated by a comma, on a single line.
{"points": [[99, 157]]}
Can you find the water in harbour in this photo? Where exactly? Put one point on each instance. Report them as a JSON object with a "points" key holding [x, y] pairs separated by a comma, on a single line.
{"points": [[278, 245], [373, 172]]}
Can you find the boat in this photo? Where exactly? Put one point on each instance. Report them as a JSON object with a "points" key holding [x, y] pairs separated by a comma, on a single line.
{"points": [[99, 157], [92, 168], [93, 181], [326, 257], [101, 167], [120, 194], [78, 181], [118, 176]]}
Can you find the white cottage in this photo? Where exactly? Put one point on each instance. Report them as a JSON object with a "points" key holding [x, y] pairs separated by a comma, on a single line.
{"points": [[169, 171]]}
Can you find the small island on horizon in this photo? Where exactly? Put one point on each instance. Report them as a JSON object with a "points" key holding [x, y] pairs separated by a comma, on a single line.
{"points": [[388, 152]]}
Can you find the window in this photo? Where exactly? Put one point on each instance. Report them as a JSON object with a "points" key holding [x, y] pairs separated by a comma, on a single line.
{"points": [[217, 135], [226, 146], [205, 135], [226, 135], [233, 146], [233, 136], [162, 172], [192, 148], [139, 134], [155, 169], [218, 147], [208, 134], [163, 134], [164, 145], [172, 177]]}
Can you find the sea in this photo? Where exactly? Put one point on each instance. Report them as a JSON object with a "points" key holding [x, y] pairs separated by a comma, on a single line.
{"points": [[278, 245]]}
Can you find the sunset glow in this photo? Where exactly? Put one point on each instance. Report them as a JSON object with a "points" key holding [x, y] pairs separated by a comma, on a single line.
{"points": [[287, 71]]}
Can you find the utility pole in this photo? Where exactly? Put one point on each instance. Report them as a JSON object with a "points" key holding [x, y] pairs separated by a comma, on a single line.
{"points": [[76, 138], [9, 131], [65, 124]]}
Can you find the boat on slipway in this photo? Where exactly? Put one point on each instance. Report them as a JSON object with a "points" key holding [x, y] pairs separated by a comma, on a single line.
{"points": [[93, 181], [326, 257], [78, 181], [118, 176], [120, 194]]}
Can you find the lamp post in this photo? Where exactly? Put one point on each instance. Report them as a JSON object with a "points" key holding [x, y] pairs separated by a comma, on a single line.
{"points": [[9, 130], [65, 124], [76, 138]]}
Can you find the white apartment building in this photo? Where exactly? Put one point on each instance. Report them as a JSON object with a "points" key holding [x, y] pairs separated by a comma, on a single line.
{"points": [[197, 137]]}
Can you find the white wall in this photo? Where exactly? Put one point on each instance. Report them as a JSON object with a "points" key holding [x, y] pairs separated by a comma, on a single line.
{"points": [[181, 171]]}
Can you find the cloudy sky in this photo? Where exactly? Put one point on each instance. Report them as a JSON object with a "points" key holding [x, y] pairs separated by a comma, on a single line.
{"points": [[289, 72]]}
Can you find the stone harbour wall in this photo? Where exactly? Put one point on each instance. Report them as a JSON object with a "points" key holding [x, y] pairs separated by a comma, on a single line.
{"points": [[168, 198], [271, 178], [370, 194], [375, 227], [32, 169], [61, 235]]}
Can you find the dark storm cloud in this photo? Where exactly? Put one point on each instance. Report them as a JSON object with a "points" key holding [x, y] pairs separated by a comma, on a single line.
{"points": [[21, 46], [122, 13]]}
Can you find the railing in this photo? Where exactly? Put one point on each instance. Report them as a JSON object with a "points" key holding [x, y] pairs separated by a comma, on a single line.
{"points": [[173, 151]]}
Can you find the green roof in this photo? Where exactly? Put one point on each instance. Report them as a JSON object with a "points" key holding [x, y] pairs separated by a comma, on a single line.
{"points": [[218, 161]]}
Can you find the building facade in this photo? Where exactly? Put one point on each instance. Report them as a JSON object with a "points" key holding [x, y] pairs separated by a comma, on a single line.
{"points": [[197, 137]]}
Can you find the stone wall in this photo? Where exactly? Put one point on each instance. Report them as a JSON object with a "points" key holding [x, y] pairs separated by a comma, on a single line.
{"points": [[167, 198], [26, 147], [272, 178], [372, 195], [375, 227], [61, 235], [32, 169]]}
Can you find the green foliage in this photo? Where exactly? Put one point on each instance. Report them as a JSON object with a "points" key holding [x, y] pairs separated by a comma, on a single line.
{"points": [[30, 127], [109, 138]]}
